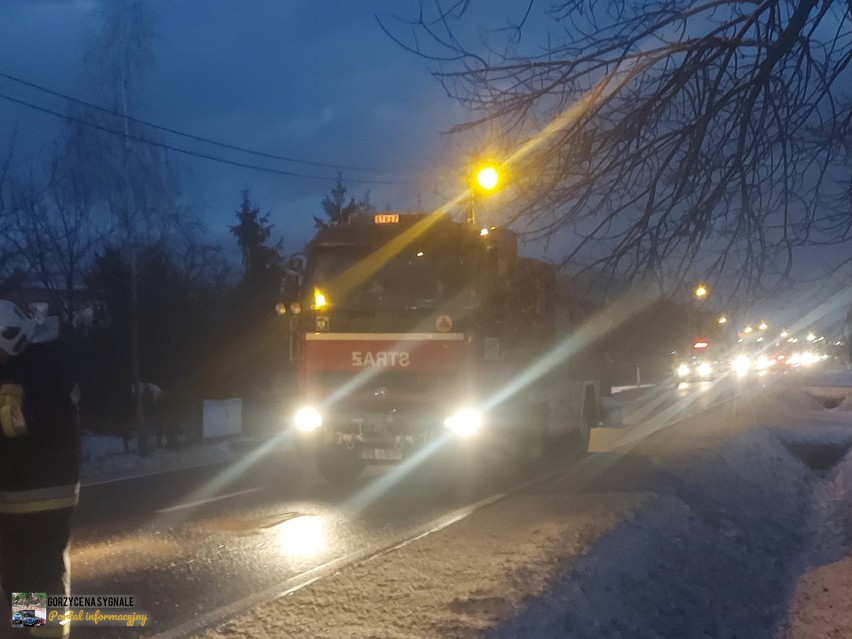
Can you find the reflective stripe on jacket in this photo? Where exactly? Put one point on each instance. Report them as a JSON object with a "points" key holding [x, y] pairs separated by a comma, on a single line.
{"points": [[39, 499]]}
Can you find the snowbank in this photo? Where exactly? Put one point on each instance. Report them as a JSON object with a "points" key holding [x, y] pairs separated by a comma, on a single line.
{"points": [[96, 447], [822, 603]]}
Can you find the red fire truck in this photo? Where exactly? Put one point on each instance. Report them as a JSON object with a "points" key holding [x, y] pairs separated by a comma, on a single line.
{"points": [[413, 332]]}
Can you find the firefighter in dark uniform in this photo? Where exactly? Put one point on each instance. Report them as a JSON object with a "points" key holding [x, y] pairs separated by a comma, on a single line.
{"points": [[39, 460]]}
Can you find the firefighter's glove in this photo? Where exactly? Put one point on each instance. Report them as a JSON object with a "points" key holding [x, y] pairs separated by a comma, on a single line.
{"points": [[12, 422]]}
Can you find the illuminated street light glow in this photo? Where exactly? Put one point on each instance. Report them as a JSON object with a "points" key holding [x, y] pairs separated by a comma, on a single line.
{"points": [[487, 178], [722, 320], [763, 325], [748, 329], [701, 291]]}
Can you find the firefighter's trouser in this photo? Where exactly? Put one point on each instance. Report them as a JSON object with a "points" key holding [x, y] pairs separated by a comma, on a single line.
{"points": [[34, 558]]}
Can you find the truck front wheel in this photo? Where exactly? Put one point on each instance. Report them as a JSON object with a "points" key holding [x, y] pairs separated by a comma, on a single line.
{"points": [[339, 465]]}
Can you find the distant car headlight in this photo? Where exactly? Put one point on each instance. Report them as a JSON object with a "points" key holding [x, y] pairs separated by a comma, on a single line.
{"points": [[307, 419], [704, 369], [683, 370], [466, 422], [763, 363], [741, 365]]}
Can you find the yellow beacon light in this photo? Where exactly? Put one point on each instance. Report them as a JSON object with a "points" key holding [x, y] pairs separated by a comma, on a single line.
{"points": [[319, 299]]}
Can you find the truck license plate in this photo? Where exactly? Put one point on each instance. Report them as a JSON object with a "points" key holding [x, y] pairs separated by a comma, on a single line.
{"points": [[390, 454]]}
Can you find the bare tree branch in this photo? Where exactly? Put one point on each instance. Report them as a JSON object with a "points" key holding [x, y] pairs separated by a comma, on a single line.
{"points": [[719, 143]]}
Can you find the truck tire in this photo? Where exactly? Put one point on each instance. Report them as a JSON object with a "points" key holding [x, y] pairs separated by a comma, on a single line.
{"points": [[339, 465]]}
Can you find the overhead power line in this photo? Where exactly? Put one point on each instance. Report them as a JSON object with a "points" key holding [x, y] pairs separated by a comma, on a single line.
{"points": [[189, 136], [176, 149]]}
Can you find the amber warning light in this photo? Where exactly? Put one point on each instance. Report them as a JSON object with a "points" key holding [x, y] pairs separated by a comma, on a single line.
{"points": [[386, 218]]}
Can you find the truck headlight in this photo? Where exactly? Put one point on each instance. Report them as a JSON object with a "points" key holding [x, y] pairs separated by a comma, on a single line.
{"points": [[307, 419], [683, 370], [466, 422]]}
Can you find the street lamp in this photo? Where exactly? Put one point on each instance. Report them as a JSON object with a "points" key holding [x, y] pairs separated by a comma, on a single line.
{"points": [[699, 293], [722, 319], [485, 180], [763, 325]]}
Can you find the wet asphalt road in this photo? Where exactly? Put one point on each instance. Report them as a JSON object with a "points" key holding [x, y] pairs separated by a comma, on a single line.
{"points": [[272, 522], [189, 542]]}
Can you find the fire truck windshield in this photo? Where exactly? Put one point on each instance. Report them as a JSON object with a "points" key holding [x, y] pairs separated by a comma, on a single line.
{"points": [[418, 278]]}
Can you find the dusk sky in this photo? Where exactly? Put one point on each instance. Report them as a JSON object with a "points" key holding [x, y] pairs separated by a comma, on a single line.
{"points": [[313, 81]]}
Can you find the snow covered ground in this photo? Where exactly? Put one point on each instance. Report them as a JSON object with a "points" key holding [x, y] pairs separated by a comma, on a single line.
{"points": [[104, 458]]}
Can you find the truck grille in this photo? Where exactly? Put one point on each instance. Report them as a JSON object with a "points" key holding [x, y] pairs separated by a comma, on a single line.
{"points": [[389, 405], [388, 386]]}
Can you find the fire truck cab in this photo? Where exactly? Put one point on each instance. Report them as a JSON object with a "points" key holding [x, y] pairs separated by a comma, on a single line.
{"points": [[413, 332]]}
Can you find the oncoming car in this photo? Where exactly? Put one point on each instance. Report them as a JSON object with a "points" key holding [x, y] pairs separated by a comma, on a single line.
{"points": [[696, 365], [695, 370]]}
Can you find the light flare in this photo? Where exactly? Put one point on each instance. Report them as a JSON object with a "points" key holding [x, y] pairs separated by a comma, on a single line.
{"points": [[302, 537]]}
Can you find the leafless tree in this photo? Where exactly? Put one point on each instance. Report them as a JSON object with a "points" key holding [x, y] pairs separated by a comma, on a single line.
{"points": [[663, 135], [9, 256], [133, 181], [56, 234]]}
